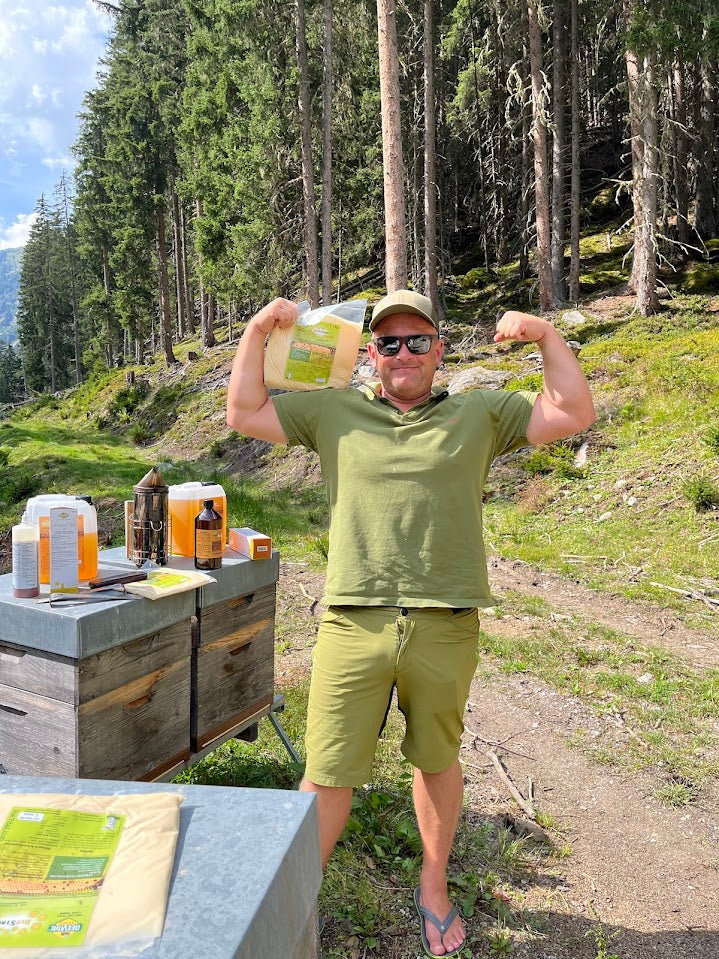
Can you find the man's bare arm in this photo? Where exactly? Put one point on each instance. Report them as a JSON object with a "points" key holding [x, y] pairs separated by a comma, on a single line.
{"points": [[565, 406], [250, 409]]}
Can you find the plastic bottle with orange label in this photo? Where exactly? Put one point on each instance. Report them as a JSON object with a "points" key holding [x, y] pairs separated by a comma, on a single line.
{"points": [[38, 513]]}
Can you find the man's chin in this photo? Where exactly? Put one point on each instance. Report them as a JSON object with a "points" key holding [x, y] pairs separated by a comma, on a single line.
{"points": [[406, 388]]}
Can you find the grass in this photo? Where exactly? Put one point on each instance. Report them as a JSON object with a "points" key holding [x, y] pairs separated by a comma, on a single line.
{"points": [[636, 513], [659, 714], [52, 446], [641, 511], [367, 893]]}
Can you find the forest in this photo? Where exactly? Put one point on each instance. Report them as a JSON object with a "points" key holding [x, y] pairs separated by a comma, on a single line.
{"points": [[236, 150]]}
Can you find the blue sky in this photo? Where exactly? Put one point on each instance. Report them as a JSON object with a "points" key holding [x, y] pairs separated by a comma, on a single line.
{"points": [[48, 58]]}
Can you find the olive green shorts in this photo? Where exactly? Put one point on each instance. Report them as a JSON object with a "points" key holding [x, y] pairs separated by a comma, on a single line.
{"points": [[362, 653]]}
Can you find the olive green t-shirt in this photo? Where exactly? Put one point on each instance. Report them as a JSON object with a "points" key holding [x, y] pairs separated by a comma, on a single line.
{"points": [[405, 489]]}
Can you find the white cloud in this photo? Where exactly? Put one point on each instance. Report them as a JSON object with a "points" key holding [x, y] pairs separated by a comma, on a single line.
{"points": [[48, 58], [7, 33], [63, 162], [36, 93], [17, 233], [76, 31], [41, 131]]}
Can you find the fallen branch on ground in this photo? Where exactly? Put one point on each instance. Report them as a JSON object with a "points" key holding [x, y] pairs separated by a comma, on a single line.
{"points": [[314, 599], [690, 594], [513, 791], [487, 742]]}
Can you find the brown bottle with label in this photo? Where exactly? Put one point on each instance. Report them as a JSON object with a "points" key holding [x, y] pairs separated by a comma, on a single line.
{"points": [[209, 537]]}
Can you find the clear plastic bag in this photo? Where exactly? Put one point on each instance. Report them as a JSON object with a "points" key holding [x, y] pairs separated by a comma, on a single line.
{"points": [[319, 350], [129, 913]]}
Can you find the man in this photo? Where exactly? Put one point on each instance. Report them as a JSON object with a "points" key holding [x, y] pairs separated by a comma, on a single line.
{"points": [[404, 466]]}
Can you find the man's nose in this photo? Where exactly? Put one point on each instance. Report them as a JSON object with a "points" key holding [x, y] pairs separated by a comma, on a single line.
{"points": [[403, 346]]}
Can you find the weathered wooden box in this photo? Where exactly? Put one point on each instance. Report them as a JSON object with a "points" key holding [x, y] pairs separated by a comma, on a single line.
{"points": [[132, 690]]}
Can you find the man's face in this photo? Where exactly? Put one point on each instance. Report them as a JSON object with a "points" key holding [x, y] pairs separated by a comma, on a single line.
{"points": [[405, 376]]}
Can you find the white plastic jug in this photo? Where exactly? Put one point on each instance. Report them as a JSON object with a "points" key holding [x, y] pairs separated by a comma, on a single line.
{"points": [[185, 502], [38, 513]]}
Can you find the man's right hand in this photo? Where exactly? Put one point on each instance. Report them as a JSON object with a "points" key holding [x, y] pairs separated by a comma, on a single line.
{"points": [[279, 313], [249, 407]]}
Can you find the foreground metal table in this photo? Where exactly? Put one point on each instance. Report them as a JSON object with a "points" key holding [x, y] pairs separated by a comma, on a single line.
{"points": [[247, 869]]}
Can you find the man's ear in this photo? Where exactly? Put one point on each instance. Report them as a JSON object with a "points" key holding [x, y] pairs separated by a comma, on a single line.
{"points": [[372, 354]]}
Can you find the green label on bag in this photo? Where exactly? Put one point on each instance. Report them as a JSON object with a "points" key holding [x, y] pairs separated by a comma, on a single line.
{"points": [[52, 865], [312, 352]]}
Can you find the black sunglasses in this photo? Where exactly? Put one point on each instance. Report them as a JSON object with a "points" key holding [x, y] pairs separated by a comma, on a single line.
{"points": [[417, 343]]}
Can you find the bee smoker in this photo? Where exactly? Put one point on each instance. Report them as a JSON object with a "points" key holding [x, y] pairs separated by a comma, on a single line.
{"points": [[151, 520]]}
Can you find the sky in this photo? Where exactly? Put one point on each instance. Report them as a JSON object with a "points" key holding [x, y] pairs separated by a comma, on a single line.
{"points": [[48, 58]]}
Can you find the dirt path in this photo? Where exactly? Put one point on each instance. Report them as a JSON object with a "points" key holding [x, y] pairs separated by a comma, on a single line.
{"points": [[649, 624], [645, 874], [648, 874]]}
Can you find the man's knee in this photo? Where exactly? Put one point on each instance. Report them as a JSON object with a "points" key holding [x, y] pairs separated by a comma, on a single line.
{"points": [[329, 793], [433, 774]]}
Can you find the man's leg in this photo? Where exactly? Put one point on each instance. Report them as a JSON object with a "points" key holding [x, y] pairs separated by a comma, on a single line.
{"points": [[437, 802], [333, 809]]}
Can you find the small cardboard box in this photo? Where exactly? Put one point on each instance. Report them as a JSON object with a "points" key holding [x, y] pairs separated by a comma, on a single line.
{"points": [[250, 543]]}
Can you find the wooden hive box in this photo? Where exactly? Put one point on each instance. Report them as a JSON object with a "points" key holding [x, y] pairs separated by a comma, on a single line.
{"points": [[102, 706], [132, 690], [233, 679]]}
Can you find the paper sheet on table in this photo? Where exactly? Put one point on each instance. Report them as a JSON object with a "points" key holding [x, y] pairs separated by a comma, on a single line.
{"points": [[130, 910], [165, 581]]}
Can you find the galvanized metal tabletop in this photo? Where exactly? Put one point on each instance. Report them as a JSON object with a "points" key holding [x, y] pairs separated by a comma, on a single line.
{"points": [[247, 869], [79, 631]]}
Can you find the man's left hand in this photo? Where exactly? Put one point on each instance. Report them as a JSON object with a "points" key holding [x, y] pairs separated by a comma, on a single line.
{"points": [[524, 327]]}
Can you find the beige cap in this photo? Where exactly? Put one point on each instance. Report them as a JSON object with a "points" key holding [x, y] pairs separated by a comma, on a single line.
{"points": [[403, 301]]}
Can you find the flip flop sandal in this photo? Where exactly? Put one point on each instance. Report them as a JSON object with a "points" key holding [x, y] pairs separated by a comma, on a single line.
{"points": [[443, 926]]}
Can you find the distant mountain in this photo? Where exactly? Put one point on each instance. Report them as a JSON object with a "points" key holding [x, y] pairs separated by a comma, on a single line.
{"points": [[9, 284]]}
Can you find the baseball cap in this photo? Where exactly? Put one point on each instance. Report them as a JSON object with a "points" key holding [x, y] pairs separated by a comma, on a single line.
{"points": [[404, 301]]}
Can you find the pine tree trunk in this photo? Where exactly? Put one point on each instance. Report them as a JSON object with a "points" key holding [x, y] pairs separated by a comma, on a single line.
{"points": [[109, 357], [203, 311], [339, 253], [394, 203], [681, 191], [208, 337], [201, 293], [187, 291], [308, 180], [327, 156], [635, 124], [165, 321], [430, 163], [483, 217], [559, 291], [179, 271], [501, 190], [414, 189], [73, 284], [575, 197], [541, 167], [647, 300], [524, 206], [704, 218], [49, 311]]}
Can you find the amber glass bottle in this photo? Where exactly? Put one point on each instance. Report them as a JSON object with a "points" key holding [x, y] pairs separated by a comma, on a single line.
{"points": [[209, 537]]}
